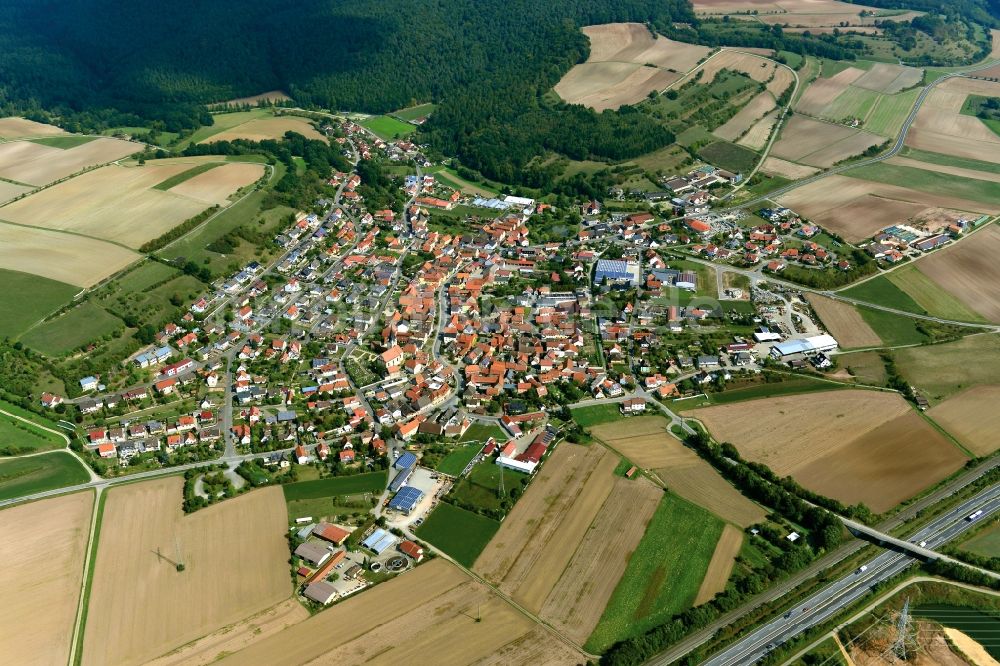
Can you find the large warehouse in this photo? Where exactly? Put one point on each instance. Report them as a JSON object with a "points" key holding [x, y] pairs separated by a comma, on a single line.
{"points": [[616, 271], [406, 499], [811, 345]]}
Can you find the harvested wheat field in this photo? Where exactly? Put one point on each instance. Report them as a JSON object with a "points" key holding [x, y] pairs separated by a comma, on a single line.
{"points": [[756, 67], [940, 168], [215, 186], [843, 322], [115, 203], [64, 257], [644, 440], [746, 117], [533, 546], [821, 144], [827, 29], [721, 564], [617, 71], [730, 6], [576, 603], [235, 557], [18, 128], [9, 190], [790, 170], [889, 79], [970, 272], [275, 127], [35, 164], [236, 636], [940, 127], [41, 576], [428, 615], [757, 136], [972, 418], [853, 446], [822, 92], [254, 100], [837, 16]]}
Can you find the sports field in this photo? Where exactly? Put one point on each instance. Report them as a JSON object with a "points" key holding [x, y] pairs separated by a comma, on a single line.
{"points": [[434, 614], [37, 164], [25, 476], [41, 577], [854, 446], [460, 533], [223, 548]]}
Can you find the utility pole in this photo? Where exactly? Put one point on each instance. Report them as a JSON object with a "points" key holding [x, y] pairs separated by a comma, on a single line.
{"points": [[905, 639]]}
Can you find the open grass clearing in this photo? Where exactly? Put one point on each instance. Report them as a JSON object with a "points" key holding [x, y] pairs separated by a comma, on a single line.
{"points": [[883, 291], [371, 482], [63, 142], [26, 299], [729, 156], [144, 534], [37, 164], [460, 533], [867, 367], [843, 322], [41, 577], [928, 294], [939, 168], [890, 113], [854, 446], [417, 112], [594, 415], [986, 542], [950, 160], [18, 437], [456, 461], [25, 476], [664, 573], [480, 432], [894, 329], [387, 127], [972, 418], [69, 331], [936, 183]]}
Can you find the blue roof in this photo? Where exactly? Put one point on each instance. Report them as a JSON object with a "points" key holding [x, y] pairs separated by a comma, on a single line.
{"points": [[406, 460], [400, 479], [406, 499], [379, 541], [613, 269]]}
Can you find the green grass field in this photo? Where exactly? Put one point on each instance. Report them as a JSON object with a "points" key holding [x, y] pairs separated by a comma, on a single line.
{"points": [[414, 112], [945, 369], [84, 323], [663, 574], [454, 463], [596, 415], [221, 123], [142, 277], [729, 156], [930, 296], [18, 437], [372, 482], [985, 542], [450, 177], [25, 476], [179, 178], [928, 181], [892, 328], [480, 432], [789, 387], [888, 115], [26, 298], [852, 103], [460, 533], [387, 127], [881, 291], [481, 487], [64, 142], [325, 507], [867, 367]]}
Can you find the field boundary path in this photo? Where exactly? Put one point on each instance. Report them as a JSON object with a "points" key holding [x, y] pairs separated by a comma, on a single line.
{"points": [[93, 475], [88, 556]]}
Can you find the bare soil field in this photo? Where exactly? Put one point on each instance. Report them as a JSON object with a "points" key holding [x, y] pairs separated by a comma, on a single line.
{"points": [[820, 144], [721, 564], [843, 322], [746, 117], [259, 129], [940, 168], [270, 96], [34, 164], [969, 271], [18, 128], [757, 136], [577, 601], [71, 259], [615, 73], [782, 80], [9, 190], [823, 91], [972, 418], [841, 150], [644, 440], [423, 616], [756, 67], [116, 203], [779, 167], [41, 577], [853, 446], [940, 127], [215, 186], [863, 216], [235, 558], [835, 17], [889, 79], [975, 651], [236, 636]]}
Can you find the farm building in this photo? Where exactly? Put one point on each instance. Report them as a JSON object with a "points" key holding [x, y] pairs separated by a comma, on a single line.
{"points": [[816, 343], [313, 553], [332, 533], [406, 460], [616, 271], [320, 592], [412, 549], [379, 541], [401, 478], [406, 499]]}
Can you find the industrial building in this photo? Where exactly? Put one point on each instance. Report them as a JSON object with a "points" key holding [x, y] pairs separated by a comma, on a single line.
{"points": [[616, 271], [810, 345], [406, 499], [379, 541]]}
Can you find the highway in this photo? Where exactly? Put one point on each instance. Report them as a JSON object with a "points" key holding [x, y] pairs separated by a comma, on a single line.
{"points": [[839, 595]]}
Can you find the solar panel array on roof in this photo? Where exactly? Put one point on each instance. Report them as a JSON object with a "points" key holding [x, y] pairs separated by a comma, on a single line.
{"points": [[406, 499], [405, 460]]}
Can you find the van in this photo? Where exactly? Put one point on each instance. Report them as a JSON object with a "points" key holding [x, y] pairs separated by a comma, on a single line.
{"points": [[863, 568]]}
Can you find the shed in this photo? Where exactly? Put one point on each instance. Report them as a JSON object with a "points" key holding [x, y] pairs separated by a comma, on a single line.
{"points": [[312, 552], [321, 592]]}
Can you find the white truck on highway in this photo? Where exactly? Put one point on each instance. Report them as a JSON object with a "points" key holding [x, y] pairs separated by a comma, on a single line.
{"points": [[863, 568], [974, 515]]}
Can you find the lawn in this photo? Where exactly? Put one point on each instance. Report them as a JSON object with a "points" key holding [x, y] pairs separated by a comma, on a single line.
{"points": [[892, 328], [387, 127], [325, 507], [372, 482], [949, 160], [455, 462], [64, 142], [35, 474], [459, 533], [930, 296], [663, 574], [83, 324], [26, 298], [481, 487], [18, 437], [729, 156], [179, 178], [769, 389], [480, 432], [890, 112], [881, 291], [985, 542], [415, 112], [596, 415], [928, 181]]}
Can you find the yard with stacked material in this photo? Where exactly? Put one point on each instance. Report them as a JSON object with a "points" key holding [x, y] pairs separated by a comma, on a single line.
{"points": [[626, 62], [854, 446], [821, 144], [645, 441], [121, 204], [433, 614], [941, 127], [40, 579], [972, 418], [141, 606], [34, 163], [843, 322]]}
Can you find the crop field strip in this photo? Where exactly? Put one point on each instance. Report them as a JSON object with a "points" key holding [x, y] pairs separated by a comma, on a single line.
{"points": [[36, 164], [721, 565], [35, 474], [931, 296], [843, 322], [972, 418]]}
